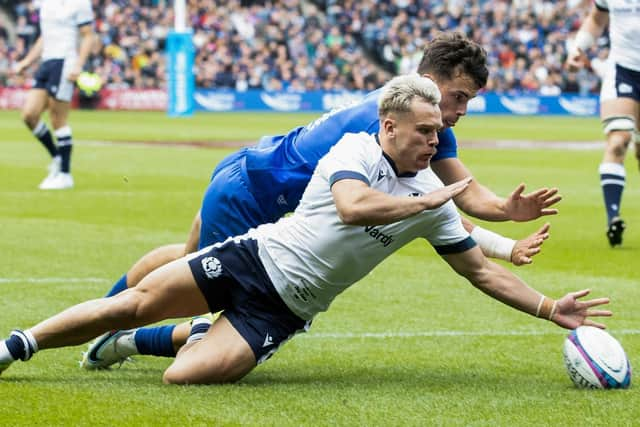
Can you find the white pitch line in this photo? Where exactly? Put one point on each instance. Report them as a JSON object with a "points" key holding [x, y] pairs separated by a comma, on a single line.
{"points": [[427, 334], [53, 280]]}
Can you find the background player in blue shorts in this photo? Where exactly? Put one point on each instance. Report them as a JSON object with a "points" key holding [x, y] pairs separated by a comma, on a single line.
{"points": [[271, 282], [62, 62], [262, 183]]}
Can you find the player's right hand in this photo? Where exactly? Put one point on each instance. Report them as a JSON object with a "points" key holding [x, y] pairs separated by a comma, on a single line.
{"points": [[439, 197]]}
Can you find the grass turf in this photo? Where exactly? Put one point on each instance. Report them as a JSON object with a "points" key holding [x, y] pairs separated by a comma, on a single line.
{"points": [[413, 344]]}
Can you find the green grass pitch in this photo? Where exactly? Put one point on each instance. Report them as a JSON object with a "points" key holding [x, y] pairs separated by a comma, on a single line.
{"points": [[413, 344]]}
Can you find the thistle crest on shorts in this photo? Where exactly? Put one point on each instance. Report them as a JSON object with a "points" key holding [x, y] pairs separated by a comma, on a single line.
{"points": [[212, 267]]}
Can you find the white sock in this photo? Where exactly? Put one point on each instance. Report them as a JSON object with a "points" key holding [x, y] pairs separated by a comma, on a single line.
{"points": [[5, 355]]}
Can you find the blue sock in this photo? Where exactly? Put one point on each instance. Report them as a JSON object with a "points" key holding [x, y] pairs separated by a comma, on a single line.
{"points": [[156, 341], [120, 285], [612, 180]]}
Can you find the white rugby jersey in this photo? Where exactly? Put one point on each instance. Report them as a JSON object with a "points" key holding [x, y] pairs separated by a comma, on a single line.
{"points": [[59, 22], [311, 256], [624, 31]]}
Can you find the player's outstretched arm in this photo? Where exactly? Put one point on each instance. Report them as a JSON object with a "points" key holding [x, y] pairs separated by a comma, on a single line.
{"points": [[499, 283], [359, 204]]}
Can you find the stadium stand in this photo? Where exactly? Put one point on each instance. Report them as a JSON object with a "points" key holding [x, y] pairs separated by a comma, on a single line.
{"points": [[307, 45]]}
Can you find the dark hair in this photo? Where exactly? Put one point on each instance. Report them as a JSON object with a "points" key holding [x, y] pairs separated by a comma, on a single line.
{"points": [[450, 53]]}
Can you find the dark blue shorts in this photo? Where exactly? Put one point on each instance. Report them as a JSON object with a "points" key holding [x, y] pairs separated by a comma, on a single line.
{"points": [[228, 207], [50, 76], [232, 279], [627, 83]]}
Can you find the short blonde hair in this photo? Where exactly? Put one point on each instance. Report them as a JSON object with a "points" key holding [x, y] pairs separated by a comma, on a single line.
{"points": [[398, 93]]}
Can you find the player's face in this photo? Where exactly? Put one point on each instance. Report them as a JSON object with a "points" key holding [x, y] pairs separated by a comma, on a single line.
{"points": [[416, 136], [456, 94]]}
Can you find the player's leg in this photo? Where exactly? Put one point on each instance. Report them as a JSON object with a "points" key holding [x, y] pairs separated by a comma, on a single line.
{"points": [[168, 292], [619, 97], [619, 126], [221, 355], [35, 104], [61, 91], [252, 327]]}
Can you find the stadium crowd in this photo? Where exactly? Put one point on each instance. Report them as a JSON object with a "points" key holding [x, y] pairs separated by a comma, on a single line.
{"points": [[307, 45]]}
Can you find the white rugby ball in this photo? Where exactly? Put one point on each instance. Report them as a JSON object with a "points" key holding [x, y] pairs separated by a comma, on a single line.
{"points": [[595, 359]]}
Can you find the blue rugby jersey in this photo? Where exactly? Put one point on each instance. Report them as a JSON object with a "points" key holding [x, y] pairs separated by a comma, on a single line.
{"points": [[279, 168]]}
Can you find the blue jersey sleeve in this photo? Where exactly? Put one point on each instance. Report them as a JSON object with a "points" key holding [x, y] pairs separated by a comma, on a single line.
{"points": [[447, 145]]}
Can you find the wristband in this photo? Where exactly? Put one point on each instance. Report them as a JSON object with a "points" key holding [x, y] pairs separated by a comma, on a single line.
{"points": [[546, 307], [583, 41], [492, 244]]}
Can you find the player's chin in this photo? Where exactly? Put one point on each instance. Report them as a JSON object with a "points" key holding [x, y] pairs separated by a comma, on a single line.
{"points": [[423, 163]]}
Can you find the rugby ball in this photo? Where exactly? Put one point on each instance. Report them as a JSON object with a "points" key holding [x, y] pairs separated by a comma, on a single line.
{"points": [[595, 359]]}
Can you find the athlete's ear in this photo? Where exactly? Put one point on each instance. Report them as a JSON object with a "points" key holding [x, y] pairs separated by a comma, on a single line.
{"points": [[389, 127]]}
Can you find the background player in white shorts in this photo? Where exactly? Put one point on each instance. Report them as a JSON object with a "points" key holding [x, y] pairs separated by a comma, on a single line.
{"points": [[62, 56], [619, 97]]}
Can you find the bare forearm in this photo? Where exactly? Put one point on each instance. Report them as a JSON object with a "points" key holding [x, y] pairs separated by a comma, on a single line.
{"points": [[377, 208], [34, 53], [502, 285], [480, 202], [85, 49]]}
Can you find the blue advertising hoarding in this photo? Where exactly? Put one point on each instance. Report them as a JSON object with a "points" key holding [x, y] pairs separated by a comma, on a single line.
{"points": [[318, 101]]}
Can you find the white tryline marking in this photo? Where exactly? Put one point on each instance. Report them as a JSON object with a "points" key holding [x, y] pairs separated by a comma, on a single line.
{"points": [[53, 280], [418, 334]]}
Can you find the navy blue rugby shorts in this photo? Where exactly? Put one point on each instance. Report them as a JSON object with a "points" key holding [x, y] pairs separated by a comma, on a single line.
{"points": [[228, 207], [50, 76], [232, 279]]}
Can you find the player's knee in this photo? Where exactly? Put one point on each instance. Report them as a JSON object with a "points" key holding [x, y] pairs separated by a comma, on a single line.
{"points": [[30, 118], [128, 306], [183, 375], [620, 131], [618, 142]]}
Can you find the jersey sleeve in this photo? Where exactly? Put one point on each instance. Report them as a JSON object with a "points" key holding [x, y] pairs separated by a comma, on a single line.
{"points": [[84, 14], [446, 234], [447, 145], [348, 159]]}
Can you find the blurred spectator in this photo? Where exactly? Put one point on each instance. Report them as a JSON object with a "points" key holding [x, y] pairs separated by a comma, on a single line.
{"points": [[326, 44]]}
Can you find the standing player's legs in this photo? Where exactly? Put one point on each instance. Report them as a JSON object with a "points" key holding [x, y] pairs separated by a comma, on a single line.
{"points": [[619, 113], [168, 292], [35, 104]]}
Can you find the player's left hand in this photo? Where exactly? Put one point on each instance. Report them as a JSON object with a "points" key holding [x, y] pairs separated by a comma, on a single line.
{"points": [[528, 247], [571, 313], [526, 207]]}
